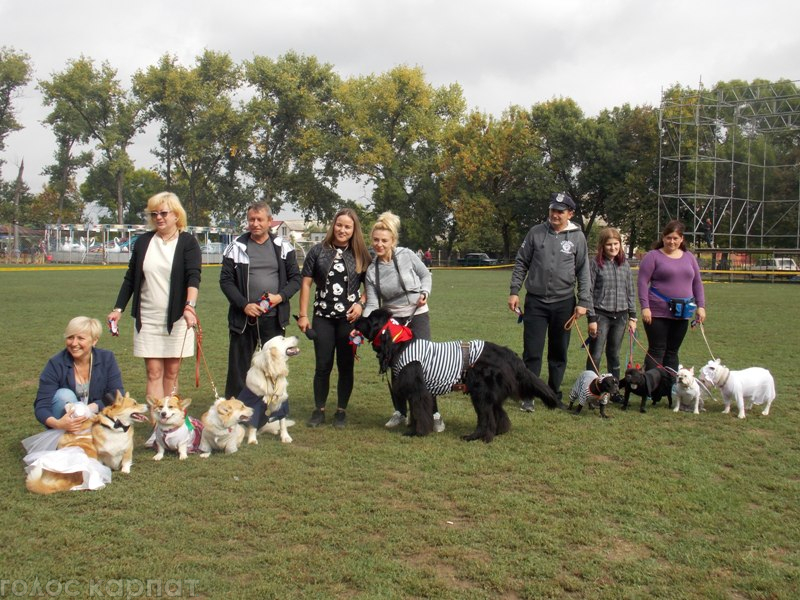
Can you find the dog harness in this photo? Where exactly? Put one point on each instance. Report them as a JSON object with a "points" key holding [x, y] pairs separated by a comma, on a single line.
{"points": [[582, 392], [190, 432], [443, 363]]}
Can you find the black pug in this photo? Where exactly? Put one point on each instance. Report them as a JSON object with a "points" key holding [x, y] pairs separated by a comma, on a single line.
{"points": [[654, 383], [489, 374]]}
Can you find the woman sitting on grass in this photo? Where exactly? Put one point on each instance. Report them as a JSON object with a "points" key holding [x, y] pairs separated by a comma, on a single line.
{"points": [[79, 373]]}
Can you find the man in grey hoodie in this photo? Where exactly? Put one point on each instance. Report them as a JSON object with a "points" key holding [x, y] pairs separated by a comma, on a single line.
{"points": [[551, 259]]}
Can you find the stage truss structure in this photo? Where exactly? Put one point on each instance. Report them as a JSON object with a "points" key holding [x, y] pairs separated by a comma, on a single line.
{"points": [[731, 155]]}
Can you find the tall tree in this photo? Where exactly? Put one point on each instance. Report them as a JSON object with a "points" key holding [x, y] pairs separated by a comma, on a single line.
{"points": [[559, 127], [15, 71], [94, 100], [293, 151], [199, 124], [633, 193], [393, 126], [491, 168], [140, 184]]}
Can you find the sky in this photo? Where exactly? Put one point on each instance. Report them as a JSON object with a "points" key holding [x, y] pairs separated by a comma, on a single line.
{"points": [[600, 53]]}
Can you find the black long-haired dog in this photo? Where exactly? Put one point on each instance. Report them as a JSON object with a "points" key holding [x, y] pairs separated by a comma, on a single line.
{"points": [[487, 372]]}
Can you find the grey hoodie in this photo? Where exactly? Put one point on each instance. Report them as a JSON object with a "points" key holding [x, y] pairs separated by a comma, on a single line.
{"points": [[550, 264]]}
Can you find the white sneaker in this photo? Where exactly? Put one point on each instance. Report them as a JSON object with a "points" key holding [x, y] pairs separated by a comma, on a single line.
{"points": [[438, 423], [395, 420]]}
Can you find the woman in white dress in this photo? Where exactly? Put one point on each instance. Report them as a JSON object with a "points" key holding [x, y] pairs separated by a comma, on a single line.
{"points": [[163, 278]]}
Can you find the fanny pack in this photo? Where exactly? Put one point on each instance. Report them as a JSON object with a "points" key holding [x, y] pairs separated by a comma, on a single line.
{"points": [[680, 308]]}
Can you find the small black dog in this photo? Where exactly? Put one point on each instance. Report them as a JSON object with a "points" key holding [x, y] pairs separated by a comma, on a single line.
{"points": [[593, 389], [654, 383], [422, 369]]}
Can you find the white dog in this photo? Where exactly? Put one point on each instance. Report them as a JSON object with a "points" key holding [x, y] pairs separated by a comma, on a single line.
{"points": [[267, 381], [755, 385], [686, 391]]}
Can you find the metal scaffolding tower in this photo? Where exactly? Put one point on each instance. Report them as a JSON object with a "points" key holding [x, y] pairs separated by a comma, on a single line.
{"points": [[732, 155]]}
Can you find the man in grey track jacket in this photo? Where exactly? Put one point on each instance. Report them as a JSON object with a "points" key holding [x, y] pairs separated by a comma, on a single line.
{"points": [[551, 259]]}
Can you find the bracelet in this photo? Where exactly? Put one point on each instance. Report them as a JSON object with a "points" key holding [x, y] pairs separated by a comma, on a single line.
{"points": [[302, 317], [119, 310]]}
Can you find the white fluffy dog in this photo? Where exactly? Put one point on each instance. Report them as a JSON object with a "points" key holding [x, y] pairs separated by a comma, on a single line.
{"points": [[754, 385], [686, 391], [267, 380]]}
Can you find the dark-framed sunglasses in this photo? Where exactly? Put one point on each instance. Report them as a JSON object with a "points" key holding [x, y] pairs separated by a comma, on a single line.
{"points": [[162, 213]]}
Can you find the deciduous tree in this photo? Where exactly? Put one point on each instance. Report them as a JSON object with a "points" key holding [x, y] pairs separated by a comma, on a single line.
{"points": [[91, 104], [15, 71], [393, 126]]}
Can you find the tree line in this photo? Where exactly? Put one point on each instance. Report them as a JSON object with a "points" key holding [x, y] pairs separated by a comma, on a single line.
{"points": [[290, 131]]}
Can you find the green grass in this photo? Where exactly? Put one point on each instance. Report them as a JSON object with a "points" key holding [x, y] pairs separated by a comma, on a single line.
{"points": [[639, 506]]}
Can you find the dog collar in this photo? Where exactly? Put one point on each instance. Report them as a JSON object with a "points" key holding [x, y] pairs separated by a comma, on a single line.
{"points": [[724, 373], [117, 424]]}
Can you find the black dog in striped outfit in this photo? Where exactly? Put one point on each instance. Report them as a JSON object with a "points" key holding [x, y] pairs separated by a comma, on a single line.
{"points": [[422, 370]]}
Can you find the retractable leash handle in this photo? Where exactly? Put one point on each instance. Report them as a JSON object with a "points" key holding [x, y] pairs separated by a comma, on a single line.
{"points": [[310, 333]]}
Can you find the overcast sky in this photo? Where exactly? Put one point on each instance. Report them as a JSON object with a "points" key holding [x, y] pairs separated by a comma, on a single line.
{"points": [[601, 53]]}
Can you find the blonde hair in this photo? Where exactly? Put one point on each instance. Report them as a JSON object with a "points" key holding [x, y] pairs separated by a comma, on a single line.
{"points": [[172, 202], [388, 221], [86, 325], [357, 244]]}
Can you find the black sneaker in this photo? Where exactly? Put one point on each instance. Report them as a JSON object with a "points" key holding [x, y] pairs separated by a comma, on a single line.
{"points": [[340, 419], [317, 418]]}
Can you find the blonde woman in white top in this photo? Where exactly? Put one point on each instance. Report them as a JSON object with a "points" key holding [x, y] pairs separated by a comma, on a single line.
{"points": [[163, 278]]}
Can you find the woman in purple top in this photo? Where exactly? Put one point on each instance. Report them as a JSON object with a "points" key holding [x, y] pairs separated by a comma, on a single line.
{"points": [[671, 271]]}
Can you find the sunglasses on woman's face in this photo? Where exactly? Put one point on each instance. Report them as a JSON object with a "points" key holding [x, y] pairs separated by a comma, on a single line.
{"points": [[161, 213]]}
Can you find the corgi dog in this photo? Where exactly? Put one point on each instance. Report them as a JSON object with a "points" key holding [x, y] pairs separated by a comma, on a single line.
{"points": [[222, 426], [174, 429], [77, 449], [112, 432]]}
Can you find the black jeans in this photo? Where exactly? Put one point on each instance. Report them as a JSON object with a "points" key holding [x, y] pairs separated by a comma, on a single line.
{"points": [[547, 319], [241, 348], [664, 339], [333, 338], [420, 325]]}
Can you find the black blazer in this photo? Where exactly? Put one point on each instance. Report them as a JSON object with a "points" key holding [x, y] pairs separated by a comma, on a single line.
{"points": [[186, 267]]}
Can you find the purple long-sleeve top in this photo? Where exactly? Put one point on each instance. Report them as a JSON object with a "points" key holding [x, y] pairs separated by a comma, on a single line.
{"points": [[673, 277]]}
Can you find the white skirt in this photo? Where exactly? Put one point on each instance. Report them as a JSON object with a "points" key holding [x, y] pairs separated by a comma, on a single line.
{"points": [[153, 341], [70, 460]]}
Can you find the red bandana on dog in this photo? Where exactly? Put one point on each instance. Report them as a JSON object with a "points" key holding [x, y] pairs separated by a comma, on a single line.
{"points": [[397, 332]]}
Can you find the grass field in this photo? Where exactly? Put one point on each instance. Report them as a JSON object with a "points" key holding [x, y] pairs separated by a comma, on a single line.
{"points": [[639, 506]]}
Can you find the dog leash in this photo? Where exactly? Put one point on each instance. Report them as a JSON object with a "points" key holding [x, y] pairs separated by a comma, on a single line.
{"points": [[200, 353], [198, 350], [705, 339], [669, 370], [573, 322]]}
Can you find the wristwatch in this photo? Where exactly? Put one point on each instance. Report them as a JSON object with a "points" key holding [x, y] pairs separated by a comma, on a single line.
{"points": [[191, 303]]}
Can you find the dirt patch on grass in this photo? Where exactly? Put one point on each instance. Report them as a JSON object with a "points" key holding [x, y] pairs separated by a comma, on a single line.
{"points": [[622, 550]]}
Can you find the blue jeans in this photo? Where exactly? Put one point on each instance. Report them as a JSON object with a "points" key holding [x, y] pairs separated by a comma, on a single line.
{"points": [[611, 329], [61, 398]]}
